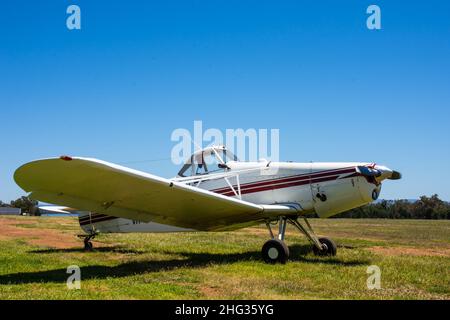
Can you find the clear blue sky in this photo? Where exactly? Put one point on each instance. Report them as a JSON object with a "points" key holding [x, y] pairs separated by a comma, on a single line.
{"points": [[137, 70]]}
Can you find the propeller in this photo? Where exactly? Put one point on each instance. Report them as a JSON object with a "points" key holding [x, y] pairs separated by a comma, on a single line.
{"points": [[379, 172], [395, 175]]}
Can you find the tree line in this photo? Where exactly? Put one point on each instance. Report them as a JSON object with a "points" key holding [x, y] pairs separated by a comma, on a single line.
{"points": [[25, 203], [424, 208]]}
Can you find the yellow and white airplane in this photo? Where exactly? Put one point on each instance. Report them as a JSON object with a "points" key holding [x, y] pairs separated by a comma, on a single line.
{"points": [[212, 192]]}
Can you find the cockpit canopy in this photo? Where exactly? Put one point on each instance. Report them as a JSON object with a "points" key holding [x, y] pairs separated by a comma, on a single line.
{"points": [[209, 160]]}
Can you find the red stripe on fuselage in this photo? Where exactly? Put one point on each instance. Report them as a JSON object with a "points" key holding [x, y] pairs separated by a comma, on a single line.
{"points": [[303, 177], [98, 218], [277, 186], [92, 216]]}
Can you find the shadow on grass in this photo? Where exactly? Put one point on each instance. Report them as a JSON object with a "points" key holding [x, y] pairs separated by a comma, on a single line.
{"points": [[114, 249], [191, 260], [299, 253]]}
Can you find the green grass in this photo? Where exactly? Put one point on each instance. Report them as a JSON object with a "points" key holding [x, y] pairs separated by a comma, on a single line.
{"points": [[414, 257]]}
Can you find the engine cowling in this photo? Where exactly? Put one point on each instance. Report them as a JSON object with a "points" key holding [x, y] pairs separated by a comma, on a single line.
{"points": [[341, 195]]}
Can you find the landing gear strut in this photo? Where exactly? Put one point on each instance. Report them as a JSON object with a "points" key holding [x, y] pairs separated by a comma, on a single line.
{"points": [[276, 250], [321, 246]]}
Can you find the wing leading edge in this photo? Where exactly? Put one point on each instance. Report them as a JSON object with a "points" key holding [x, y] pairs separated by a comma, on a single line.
{"points": [[98, 186]]}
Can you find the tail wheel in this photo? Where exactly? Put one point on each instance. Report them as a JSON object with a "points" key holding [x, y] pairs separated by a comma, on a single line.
{"points": [[275, 251], [329, 248]]}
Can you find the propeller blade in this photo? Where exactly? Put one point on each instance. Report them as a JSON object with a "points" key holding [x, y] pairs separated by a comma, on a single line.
{"points": [[395, 175]]}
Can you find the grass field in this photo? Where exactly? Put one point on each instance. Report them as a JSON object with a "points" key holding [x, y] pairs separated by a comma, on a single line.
{"points": [[414, 257]]}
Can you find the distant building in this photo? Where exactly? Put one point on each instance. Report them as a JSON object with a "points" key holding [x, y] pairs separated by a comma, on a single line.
{"points": [[10, 211]]}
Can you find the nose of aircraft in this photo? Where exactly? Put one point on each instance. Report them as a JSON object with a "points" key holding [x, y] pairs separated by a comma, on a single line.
{"points": [[386, 173]]}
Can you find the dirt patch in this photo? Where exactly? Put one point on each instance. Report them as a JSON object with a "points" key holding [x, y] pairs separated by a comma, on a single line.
{"points": [[263, 232], [407, 251], [211, 292], [411, 291], [10, 229], [254, 231]]}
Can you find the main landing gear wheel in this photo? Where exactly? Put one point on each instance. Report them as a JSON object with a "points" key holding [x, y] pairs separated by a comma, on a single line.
{"points": [[88, 245], [87, 242], [329, 248], [275, 251]]}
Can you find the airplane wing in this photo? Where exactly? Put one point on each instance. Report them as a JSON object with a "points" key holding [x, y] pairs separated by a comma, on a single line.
{"points": [[102, 187]]}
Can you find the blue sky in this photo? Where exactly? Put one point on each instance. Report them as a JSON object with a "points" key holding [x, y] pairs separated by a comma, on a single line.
{"points": [[137, 70]]}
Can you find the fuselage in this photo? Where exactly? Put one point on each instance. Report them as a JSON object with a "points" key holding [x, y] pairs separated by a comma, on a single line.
{"points": [[324, 188]]}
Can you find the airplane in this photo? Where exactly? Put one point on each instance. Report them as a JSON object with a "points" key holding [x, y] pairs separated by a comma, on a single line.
{"points": [[212, 192]]}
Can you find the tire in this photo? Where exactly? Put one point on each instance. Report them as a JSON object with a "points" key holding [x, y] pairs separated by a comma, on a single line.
{"points": [[88, 246], [329, 248], [275, 251]]}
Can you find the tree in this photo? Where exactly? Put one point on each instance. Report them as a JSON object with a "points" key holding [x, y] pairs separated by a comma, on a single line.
{"points": [[432, 208], [26, 204], [2, 204]]}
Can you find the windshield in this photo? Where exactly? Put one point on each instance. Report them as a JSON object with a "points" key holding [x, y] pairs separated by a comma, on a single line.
{"points": [[210, 160]]}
